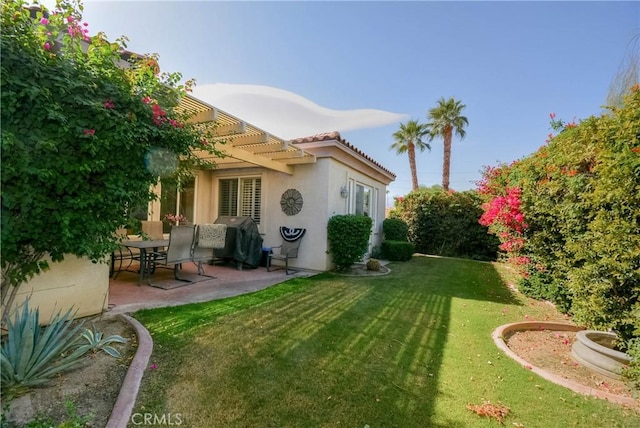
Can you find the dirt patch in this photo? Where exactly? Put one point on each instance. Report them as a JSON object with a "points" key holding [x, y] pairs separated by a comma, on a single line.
{"points": [[93, 387], [551, 351]]}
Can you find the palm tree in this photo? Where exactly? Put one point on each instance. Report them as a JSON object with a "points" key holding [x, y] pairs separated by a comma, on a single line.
{"points": [[444, 119], [407, 138]]}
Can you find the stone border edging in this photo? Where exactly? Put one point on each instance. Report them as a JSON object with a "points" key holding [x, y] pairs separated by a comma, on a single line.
{"points": [[382, 272], [129, 390], [498, 338]]}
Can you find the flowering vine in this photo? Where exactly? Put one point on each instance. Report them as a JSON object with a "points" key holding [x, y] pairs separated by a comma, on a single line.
{"points": [[504, 217], [68, 101]]}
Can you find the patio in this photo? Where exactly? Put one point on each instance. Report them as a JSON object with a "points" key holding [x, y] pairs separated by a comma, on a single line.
{"points": [[126, 296]]}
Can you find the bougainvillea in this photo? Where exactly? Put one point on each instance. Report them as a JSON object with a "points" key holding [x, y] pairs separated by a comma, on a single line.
{"points": [[86, 131], [569, 216]]}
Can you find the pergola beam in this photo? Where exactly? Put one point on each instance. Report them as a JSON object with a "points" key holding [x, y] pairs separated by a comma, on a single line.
{"points": [[248, 139], [257, 159], [230, 129]]}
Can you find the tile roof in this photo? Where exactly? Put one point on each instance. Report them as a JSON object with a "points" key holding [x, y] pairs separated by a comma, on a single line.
{"points": [[335, 135]]}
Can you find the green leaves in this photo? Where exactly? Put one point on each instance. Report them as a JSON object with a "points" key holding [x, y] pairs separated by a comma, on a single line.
{"points": [[348, 239], [76, 130], [581, 198], [97, 342], [446, 224]]}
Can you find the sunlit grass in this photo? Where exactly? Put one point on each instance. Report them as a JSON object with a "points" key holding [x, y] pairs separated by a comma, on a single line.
{"points": [[412, 348]]}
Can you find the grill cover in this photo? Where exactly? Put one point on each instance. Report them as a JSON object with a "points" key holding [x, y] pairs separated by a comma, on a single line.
{"points": [[243, 241]]}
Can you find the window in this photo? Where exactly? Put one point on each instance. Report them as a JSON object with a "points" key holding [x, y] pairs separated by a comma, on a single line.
{"points": [[363, 200], [240, 197], [174, 200]]}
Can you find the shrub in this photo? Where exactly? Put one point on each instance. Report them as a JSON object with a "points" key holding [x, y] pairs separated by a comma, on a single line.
{"points": [[82, 139], [373, 264], [348, 239], [398, 250], [446, 224], [580, 204], [632, 373], [395, 229]]}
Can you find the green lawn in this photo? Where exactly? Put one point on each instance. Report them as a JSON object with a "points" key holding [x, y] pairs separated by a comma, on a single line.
{"points": [[410, 349]]}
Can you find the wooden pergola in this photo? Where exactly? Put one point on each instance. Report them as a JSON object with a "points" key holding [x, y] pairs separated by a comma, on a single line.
{"points": [[243, 144]]}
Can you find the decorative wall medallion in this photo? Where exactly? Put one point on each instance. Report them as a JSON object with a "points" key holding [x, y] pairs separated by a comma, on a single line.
{"points": [[291, 202]]}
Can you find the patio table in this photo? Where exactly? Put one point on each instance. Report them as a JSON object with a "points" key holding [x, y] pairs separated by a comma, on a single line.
{"points": [[145, 260]]}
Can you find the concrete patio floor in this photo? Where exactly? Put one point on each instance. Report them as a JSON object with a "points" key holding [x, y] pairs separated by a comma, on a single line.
{"points": [[125, 296]]}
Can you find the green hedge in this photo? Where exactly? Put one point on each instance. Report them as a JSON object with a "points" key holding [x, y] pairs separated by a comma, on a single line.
{"points": [[580, 199], [348, 239], [397, 250], [395, 229], [446, 224]]}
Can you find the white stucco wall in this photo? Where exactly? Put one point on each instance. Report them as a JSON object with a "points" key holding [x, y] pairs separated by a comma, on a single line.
{"points": [[73, 283], [320, 186], [319, 183]]}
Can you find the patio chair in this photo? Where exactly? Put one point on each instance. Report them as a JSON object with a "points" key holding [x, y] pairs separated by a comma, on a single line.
{"points": [[152, 229], [122, 255], [180, 250], [209, 237], [291, 238]]}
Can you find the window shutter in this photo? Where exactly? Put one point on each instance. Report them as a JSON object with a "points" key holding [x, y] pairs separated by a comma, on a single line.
{"points": [[228, 197], [251, 198]]}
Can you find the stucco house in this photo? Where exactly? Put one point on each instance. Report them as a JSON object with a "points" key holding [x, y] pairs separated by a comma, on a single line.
{"points": [[328, 174]]}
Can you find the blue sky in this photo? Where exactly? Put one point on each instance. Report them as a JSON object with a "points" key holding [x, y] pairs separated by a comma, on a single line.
{"points": [[360, 68]]}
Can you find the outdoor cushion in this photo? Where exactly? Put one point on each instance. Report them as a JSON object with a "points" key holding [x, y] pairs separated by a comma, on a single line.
{"points": [[212, 235]]}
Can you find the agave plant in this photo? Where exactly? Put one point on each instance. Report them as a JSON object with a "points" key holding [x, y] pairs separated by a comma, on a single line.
{"points": [[96, 342], [31, 355]]}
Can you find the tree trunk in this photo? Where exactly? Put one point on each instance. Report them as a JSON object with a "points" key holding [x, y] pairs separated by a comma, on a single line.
{"points": [[446, 162], [411, 151]]}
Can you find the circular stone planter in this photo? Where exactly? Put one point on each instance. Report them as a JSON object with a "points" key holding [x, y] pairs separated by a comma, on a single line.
{"points": [[594, 350], [502, 333]]}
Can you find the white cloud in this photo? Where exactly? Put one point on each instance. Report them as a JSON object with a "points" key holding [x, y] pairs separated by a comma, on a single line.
{"points": [[286, 114]]}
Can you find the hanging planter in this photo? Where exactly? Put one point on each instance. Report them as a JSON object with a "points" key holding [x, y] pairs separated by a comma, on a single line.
{"points": [[594, 350]]}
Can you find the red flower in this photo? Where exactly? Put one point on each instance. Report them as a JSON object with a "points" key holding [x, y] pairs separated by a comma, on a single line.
{"points": [[109, 104], [89, 131]]}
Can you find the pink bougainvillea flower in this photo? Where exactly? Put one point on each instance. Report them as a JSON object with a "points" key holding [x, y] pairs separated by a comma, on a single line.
{"points": [[552, 115], [109, 104], [147, 100], [47, 46], [89, 131], [44, 21], [153, 366]]}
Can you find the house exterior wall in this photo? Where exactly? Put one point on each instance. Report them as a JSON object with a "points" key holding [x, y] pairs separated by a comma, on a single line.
{"points": [[75, 283], [320, 185]]}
